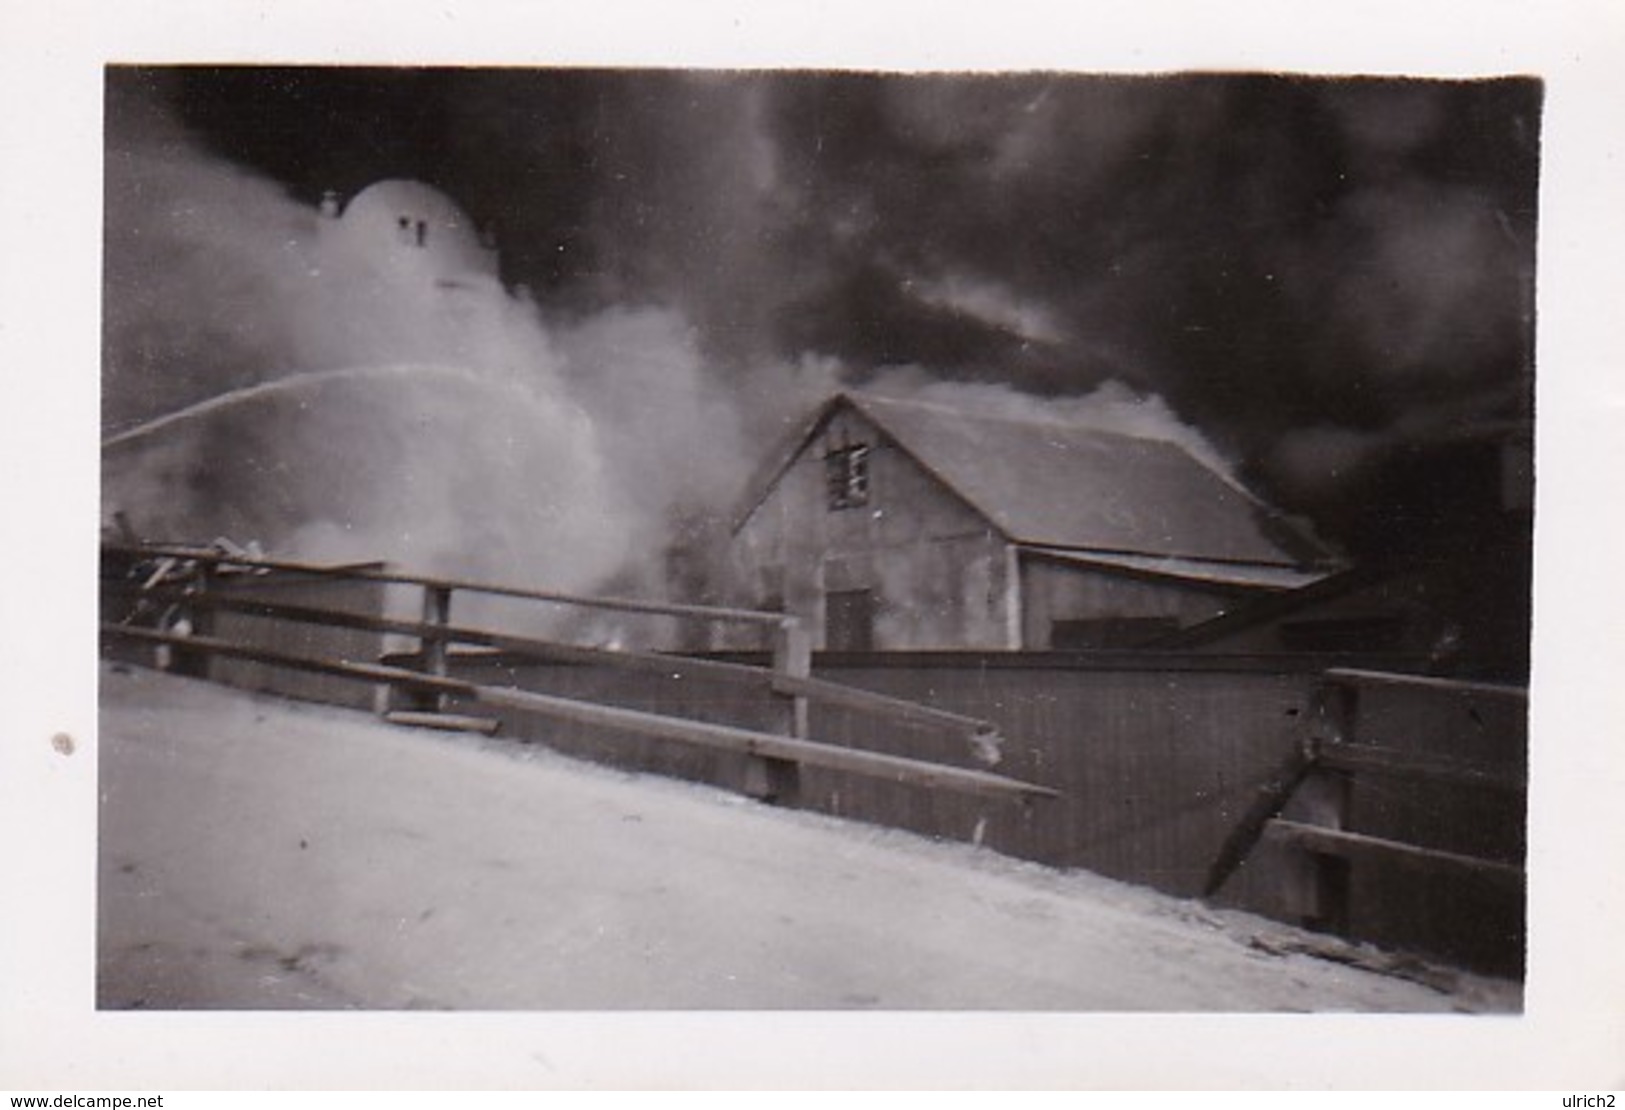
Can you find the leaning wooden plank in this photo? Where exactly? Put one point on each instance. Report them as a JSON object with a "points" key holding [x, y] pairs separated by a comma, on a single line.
{"points": [[1272, 797], [1391, 761], [809, 753], [1354, 676], [1351, 845], [448, 722], [984, 735]]}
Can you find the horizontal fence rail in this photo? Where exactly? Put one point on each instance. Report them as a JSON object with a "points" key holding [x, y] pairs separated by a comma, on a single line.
{"points": [[746, 741], [983, 735], [1353, 676], [1357, 813], [1403, 764], [1265, 814], [1337, 842], [216, 559]]}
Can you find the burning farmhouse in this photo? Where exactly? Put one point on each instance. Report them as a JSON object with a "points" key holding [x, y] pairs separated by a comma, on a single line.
{"points": [[424, 419], [888, 524]]}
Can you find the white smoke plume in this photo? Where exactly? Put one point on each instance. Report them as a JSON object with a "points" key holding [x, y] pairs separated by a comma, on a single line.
{"points": [[1112, 407], [271, 380]]}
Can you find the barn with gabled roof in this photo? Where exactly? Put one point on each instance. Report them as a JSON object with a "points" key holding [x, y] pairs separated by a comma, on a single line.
{"points": [[891, 524]]}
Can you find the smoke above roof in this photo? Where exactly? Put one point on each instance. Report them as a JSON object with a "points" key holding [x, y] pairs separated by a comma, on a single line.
{"points": [[1280, 273]]}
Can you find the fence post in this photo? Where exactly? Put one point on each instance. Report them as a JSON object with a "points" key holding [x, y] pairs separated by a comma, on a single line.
{"points": [[199, 621], [437, 612], [779, 780], [1322, 884]]}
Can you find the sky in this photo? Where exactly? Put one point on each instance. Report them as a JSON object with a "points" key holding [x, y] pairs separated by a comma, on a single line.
{"points": [[1319, 279]]}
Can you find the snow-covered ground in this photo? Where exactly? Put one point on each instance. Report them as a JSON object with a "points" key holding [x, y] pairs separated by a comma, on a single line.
{"points": [[262, 854]]}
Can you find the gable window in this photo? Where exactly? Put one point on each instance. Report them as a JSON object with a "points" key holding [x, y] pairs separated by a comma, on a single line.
{"points": [[846, 474]]}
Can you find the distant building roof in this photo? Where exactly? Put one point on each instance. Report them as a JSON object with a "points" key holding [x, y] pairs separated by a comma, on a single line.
{"points": [[1066, 486], [1214, 572]]}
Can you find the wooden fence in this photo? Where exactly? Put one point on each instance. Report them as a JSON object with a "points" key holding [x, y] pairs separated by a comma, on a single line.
{"points": [[1410, 815], [184, 589], [1382, 806]]}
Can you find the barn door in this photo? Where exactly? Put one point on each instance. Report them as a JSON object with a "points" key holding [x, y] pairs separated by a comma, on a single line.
{"points": [[849, 620]]}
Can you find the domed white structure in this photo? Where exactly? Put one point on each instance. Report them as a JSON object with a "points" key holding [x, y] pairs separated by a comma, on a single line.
{"points": [[414, 228]]}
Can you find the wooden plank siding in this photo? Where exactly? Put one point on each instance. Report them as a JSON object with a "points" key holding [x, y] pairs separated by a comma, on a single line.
{"points": [[1054, 592], [1153, 766], [1156, 759], [935, 568]]}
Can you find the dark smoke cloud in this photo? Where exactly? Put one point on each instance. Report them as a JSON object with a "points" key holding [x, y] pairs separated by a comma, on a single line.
{"points": [[1268, 254], [1297, 267]]}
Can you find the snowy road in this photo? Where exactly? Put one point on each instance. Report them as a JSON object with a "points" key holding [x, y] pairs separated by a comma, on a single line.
{"points": [[260, 854]]}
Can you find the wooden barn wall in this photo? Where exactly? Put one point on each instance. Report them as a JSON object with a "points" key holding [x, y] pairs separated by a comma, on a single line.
{"points": [[937, 568], [1153, 764], [310, 640], [1155, 761], [1052, 591], [705, 699]]}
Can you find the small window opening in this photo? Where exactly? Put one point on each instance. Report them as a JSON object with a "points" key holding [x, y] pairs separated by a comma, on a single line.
{"points": [[423, 231], [846, 472]]}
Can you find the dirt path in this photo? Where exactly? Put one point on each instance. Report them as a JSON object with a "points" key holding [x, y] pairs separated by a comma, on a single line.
{"points": [[260, 854]]}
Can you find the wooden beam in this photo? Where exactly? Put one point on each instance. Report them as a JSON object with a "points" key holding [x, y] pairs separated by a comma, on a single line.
{"points": [[772, 779], [808, 753], [1356, 846], [1315, 887], [448, 722], [1357, 677], [1272, 796], [983, 735], [436, 614], [348, 668], [212, 557], [448, 633], [1402, 764]]}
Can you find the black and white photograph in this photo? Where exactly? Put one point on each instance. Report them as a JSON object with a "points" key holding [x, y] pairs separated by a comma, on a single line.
{"points": [[814, 541], [1093, 477]]}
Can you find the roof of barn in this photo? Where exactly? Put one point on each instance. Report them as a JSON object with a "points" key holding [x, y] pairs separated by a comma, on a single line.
{"points": [[1064, 486]]}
